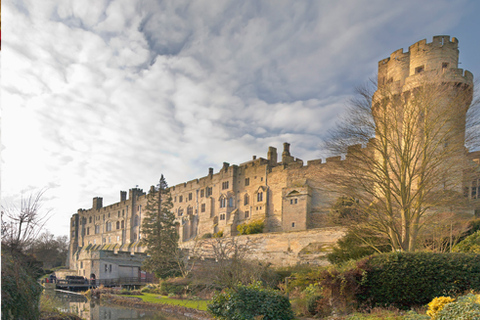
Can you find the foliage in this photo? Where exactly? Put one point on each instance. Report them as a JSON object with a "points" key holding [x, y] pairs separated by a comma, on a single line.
{"points": [[412, 315], [353, 247], [167, 288], [218, 234], [207, 236], [248, 302], [160, 234], [394, 278], [469, 244], [251, 228], [466, 307], [20, 290], [50, 250], [437, 305]]}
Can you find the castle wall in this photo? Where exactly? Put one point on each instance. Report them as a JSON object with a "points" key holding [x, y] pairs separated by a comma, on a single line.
{"points": [[282, 249]]}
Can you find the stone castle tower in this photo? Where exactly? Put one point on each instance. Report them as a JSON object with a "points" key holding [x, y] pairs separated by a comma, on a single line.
{"points": [[425, 64], [424, 95]]}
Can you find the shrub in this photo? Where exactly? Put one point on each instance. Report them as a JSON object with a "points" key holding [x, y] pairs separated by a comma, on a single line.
{"points": [[207, 236], [350, 247], [394, 278], [437, 305], [20, 290], [219, 234], [412, 315], [167, 288], [248, 302], [469, 244], [466, 307], [313, 304], [251, 228]]}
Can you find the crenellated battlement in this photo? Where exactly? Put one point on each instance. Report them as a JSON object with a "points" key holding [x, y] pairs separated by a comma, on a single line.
{"points": [[423, 60]]}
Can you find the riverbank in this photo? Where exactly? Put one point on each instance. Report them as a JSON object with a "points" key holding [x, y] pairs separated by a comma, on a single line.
{"points": [[156, 304]]}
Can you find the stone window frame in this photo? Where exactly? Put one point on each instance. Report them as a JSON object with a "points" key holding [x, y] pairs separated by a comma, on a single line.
{"points": [[246, 199]]}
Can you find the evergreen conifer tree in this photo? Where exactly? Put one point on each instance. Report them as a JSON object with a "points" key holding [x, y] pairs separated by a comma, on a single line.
{"points": [[160, 234]]}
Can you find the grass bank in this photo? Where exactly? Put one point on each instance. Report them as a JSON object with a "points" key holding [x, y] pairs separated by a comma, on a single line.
{"points": [[156, 298]]}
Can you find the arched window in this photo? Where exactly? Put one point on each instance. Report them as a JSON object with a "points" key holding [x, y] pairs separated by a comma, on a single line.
{"points": [[230, 202], [223, 202], [190, 210], [118, 225], [180, 212], [246, 199], [260, 197]]}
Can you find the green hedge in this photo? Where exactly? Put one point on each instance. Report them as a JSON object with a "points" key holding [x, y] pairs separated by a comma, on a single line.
{"points": [[409, 279], [249, 302]]}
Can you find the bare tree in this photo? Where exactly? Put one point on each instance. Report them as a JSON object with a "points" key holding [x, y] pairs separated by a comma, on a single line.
{"points": [[22, 224], [227, 263], [405, 155]]}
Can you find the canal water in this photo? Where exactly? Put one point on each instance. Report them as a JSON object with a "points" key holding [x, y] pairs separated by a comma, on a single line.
{"points": [[92, 310]]}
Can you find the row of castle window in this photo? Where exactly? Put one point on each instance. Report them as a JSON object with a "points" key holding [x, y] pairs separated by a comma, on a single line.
{"points": [[208, 191], [108, 227], [223, 215], [473, 192], [223, 203], [108, 216]]}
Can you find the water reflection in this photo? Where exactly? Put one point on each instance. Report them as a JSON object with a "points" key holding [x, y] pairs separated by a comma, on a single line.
{"points": [[91, 310]]}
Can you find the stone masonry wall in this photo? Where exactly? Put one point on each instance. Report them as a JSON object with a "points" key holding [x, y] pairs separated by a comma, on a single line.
{"points": [[282, 249]]}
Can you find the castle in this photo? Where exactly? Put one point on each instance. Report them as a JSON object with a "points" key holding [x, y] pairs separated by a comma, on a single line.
{"points": [[291, 197]]}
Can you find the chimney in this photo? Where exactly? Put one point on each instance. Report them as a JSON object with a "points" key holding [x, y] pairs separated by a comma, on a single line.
{"points": [[210, 171], [254, 157], [97, 203], [286, 157], [123, 195], [272, 156], [225, 166]]}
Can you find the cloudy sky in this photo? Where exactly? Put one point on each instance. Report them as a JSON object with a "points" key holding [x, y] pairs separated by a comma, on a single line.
{"points": [[100, 96]]}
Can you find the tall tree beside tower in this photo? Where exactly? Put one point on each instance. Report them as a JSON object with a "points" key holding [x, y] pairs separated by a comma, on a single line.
{"points": [[405, 143], [159, 232]]}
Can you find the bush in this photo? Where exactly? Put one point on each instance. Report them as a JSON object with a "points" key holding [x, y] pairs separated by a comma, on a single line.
{"points": [[167, 288], [412, 279], [20, 290], [219, 234], [207, 236], [469, 244], [466, 307], [350, 247], [248, 302], [251, 228], [437, 305], [312, 304]]}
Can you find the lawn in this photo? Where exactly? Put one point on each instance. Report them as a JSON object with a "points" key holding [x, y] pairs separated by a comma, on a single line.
{"points": [[156, 298]]}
